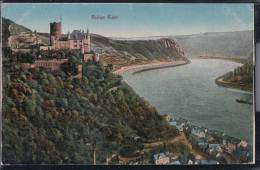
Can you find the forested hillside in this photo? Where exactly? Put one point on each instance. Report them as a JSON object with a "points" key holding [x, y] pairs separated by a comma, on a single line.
{"points": [[11, 28], [241, 77], [50, 118]]}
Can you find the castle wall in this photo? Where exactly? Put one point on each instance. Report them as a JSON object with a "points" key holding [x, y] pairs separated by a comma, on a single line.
{"points": [[53, 64], [75, 44], [60, 44], [46, 48], [24, 50], [71, 44]]}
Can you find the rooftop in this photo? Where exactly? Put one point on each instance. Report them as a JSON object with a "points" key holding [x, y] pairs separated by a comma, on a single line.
{"points": [[77, 35]]}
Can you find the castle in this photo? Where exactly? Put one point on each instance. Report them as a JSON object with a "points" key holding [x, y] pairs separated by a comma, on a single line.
{"points": [[77, 39]]}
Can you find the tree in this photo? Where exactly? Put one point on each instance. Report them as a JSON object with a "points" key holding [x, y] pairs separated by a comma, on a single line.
{"points": [[29, 106]]}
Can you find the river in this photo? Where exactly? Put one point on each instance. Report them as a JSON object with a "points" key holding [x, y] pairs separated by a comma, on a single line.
{"points": [[190, 92]]}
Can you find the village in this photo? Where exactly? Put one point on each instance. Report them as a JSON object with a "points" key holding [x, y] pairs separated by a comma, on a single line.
{"points": [[209, 146]]}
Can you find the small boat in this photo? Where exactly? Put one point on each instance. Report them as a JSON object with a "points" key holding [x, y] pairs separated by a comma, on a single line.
{"points": [[244, 101]]}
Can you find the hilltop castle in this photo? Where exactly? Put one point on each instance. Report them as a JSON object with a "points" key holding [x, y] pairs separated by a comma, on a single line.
{"points": [[77, 39]]}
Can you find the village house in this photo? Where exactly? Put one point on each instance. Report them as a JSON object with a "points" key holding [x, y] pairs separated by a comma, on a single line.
{"points": [[190, 162], [230, 148], [216, 134], [243, 144], [167, 117], [173, 123], [242, 155], [202, 145], [173, 157], [180, 127], [214, 149], [198, 132], [230, 144], [196, 162], [161, 159]]}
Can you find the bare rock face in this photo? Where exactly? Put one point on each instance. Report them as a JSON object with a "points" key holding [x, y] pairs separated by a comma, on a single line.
{"points": [[143, 49], [170, 43]]}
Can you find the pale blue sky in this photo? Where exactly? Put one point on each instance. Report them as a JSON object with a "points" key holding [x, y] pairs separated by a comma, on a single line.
{"points": [[135, 20]]}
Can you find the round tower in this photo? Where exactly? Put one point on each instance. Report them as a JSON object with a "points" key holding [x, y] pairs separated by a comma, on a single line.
{"points": [[55, 30]]}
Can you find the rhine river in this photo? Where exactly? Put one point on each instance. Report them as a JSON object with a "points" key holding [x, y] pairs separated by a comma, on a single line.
{"points": [[190, 92]]}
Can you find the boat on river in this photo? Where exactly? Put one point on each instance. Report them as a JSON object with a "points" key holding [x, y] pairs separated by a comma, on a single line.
{"points": [[244, 101]]}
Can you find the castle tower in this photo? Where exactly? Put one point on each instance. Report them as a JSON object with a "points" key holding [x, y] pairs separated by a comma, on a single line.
{"points": [[36, 37], [88, 38], [55, 31]]}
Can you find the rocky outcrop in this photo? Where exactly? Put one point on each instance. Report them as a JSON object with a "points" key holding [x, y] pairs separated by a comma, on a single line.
{"points": [[170, 43]]}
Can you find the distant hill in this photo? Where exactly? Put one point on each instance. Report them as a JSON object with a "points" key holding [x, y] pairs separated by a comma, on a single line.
{"points": [[238, 44], [11, 28]]}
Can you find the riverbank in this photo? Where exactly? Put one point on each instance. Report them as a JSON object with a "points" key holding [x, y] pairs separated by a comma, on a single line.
{"points": [[151, 66], [230, 84], [237, 60], [236, 85]]}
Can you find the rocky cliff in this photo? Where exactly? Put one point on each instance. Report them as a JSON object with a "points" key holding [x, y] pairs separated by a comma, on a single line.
{"points": [[125, 52]]}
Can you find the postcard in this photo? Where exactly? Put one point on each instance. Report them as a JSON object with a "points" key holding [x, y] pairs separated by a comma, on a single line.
{"points": [[128, 84]]}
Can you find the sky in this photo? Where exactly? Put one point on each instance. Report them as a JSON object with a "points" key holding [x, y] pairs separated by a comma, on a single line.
{"points": [[134, 20]]}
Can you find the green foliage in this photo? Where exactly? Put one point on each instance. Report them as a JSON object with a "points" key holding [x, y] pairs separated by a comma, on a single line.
{"points": [[49, 118], [242, 75], [129, 151], [25, 57]]}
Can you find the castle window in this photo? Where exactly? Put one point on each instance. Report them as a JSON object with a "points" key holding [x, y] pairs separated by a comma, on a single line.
{"points": [[75, 45], [75, 41]]}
